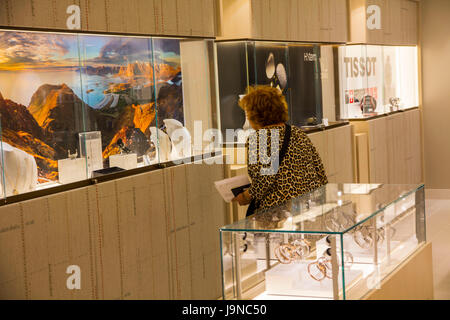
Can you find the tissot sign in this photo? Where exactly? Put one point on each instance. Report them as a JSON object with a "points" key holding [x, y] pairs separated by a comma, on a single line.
{"points": [[360, 66], [360, 74]]}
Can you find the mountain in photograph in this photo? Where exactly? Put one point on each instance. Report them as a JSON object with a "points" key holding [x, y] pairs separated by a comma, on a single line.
{"points": [[100, 70], [137, 69], [21, 130], [16, 117], [134, 70], [55, 108]]}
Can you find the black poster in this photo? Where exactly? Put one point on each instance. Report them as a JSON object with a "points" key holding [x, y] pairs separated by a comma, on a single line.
{"points": [[232, 69], [305, 84]]}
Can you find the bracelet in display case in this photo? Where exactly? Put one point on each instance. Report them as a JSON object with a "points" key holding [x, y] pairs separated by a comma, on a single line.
{"points": [[297, 250]]}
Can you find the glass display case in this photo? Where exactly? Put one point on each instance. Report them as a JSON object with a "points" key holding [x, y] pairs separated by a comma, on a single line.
{"points": [[73, 104], [375, 80], [338, 242], [304, 73]]}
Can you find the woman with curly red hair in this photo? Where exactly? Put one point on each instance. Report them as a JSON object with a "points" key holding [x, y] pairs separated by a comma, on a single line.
{"points": [[292, 167]]}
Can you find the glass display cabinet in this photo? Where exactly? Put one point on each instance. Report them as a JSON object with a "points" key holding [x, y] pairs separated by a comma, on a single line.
{"points": [[375, 80], [338, 242], [74, 106], [304, 73]]}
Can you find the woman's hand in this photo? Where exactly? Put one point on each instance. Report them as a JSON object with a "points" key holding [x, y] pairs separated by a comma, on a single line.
{"points": [[243, 198]]}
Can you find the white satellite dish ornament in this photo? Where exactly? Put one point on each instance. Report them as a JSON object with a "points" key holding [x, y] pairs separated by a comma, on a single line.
{"points": [[270, 66], [162, 143], [180, 138], [20, 171]]}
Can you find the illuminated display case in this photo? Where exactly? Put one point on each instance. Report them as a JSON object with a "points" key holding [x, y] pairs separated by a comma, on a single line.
{"points": [[375, 80], [338, 242], [303, 72], [73, 104]]}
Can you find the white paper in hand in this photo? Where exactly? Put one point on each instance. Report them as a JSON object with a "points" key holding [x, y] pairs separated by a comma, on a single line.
{"points": [[224, 186]]}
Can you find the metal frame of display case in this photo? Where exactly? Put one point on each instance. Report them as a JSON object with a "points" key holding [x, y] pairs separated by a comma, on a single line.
{"points": [[332, 220]]}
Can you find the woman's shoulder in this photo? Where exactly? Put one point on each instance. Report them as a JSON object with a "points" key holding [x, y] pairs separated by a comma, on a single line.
{"points": [[298, 132], [300, 136]]}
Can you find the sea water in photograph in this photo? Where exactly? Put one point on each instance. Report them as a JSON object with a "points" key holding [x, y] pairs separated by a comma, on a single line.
{"points": [[54, 86]]}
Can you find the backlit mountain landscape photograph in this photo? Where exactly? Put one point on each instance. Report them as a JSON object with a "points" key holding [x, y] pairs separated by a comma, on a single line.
{"points": [[54, 86]]}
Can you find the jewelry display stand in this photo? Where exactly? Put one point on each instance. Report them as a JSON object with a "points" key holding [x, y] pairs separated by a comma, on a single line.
{"points": [[124, 161], [91, 149], [20, 170], [72, 170]]}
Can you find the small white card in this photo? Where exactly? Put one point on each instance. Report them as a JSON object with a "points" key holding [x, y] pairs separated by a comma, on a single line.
{"points": [[224, 186]]}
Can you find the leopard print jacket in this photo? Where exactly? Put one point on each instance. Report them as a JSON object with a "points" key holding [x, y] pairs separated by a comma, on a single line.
{"points": [[300, 172]]}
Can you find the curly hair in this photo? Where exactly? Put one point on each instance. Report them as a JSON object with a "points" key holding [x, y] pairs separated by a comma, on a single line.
{"points": [[265, 106]]}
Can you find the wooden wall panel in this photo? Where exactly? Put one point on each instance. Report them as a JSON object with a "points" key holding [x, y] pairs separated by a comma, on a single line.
{"points": [[399, 22], [127, 233], [417, 146], [130, 10], [157, 13], [320, 142], [280, 15], [339, 25], [344, 160], [395, 151], [146, 17], [149, 17], [13, 282], [42, 17], [310, 14], [292, 20], [116, 19], [110, 259], [325, 18], [331, 154], [209, 21], [169, 17], [257, 18], [196, 13], [335, 148], [22, 12], [5, 18], [184, 18], [267, 25], [378, 151], [34, 215], [362, 146], [80, 239]]}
